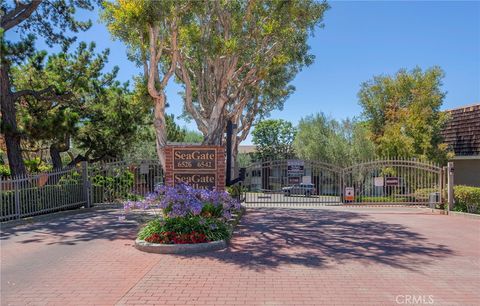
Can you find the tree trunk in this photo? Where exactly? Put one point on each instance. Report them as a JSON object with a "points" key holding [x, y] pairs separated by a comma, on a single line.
{"points": [[160, 128], [56, 158], [9, 124], [216, 124], [216, 129]]}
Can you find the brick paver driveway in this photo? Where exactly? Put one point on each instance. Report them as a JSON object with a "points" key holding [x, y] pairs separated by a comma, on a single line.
{"points": [[328, 256]]}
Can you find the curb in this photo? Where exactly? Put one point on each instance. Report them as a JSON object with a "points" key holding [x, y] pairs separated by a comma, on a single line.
{"points": [[157, 248], [464, 215]]}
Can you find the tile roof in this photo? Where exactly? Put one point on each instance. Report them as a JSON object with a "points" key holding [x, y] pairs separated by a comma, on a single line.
{"points": [[462, 131]]}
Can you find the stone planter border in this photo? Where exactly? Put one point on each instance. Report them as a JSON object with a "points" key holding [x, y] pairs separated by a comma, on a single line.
{"points": [[158, 248]]}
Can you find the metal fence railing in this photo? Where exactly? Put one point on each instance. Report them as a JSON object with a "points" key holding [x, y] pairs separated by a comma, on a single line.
{"points": [[85, 185], [117, 181], [31, 195]]}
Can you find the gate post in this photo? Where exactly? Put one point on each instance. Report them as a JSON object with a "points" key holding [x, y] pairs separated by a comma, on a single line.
{"points": [[450, 170], [86, 184], [341, 187]]}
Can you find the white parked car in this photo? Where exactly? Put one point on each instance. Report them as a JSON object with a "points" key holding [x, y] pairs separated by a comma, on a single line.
{"points": [[299, 189]]}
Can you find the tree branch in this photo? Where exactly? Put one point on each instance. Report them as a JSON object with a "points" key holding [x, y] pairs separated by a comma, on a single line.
{"points": [[43, 94], [21, 12]]}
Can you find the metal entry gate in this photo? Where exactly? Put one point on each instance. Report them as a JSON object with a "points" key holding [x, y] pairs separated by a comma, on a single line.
{"points": [[312, 183], [397, 181], [292, 182]]}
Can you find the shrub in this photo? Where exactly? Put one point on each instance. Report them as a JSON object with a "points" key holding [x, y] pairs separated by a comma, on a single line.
{"points": [[4, 170], [36, 165], [190, 215], [424, 193], [184, 201], [211, 228], [152, 227], [467, 198], [114, 185], [235, 191], [171, 237], [381, 199]]}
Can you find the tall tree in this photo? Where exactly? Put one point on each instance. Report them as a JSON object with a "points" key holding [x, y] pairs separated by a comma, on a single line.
{"points": [[47, 19], [97, 115], [143, 144], [403, 113], [274, 139], [219, 50], [261, 99], [229, 47], [150, 30], [82, 94], [328, 140]]}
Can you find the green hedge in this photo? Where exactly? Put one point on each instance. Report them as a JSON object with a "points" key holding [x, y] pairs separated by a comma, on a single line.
{"points": [[112, 187], [467, 199], [382, 199], [424, 193]]}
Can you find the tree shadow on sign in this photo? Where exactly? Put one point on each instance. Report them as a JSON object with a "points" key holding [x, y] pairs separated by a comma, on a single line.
{"points": [[270, 238]]}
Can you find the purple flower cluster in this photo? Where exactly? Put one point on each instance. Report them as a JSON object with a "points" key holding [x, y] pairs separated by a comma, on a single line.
{"points": [[183, 200]]}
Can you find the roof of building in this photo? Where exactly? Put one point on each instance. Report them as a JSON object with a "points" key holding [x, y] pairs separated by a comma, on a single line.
{"points": [[462, 131], [246, 149]]}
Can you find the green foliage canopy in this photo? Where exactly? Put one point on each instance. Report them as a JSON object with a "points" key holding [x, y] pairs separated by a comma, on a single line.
{"points": [[47, 19], [238, 57], [324, 139], [85, 105], [403, 113], [274, 139]]}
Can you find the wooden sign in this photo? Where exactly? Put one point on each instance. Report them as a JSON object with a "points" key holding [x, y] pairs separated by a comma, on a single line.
{"points": [[202, 167], [194, 158], [197, 181]]}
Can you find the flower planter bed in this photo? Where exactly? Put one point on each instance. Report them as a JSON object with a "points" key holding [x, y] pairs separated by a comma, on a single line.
{"points": [[189, 248], [191, 220]]}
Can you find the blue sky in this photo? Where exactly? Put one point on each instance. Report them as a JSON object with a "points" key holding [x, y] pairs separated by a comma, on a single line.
{"points": [[360, 40]]}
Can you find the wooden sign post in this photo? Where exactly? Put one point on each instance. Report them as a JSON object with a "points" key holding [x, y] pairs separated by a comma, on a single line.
{"points": [[202, 167]]}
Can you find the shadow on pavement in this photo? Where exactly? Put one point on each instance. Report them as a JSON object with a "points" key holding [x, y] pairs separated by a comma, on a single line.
{"points": [[270, 238], [77, 227]]}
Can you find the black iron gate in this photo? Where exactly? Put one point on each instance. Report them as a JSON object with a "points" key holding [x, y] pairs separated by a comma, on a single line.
{"points": [[394, 181], [312, 183], [293, 182]]}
